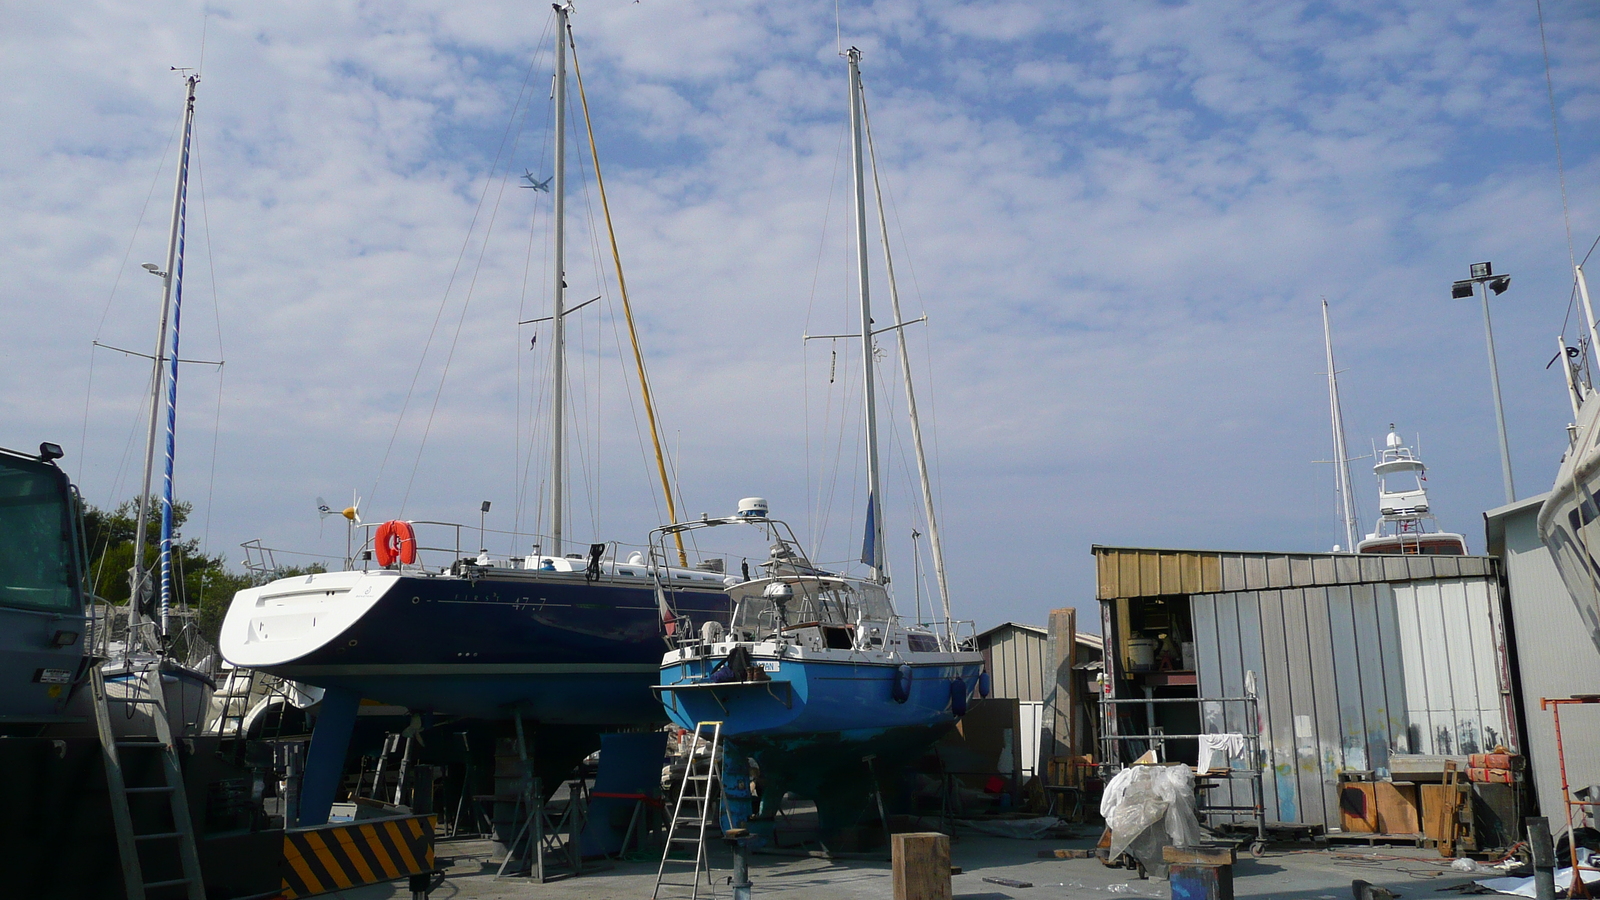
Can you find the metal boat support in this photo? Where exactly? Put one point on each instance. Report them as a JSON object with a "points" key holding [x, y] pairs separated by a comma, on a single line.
{"points": [[330, 741]]}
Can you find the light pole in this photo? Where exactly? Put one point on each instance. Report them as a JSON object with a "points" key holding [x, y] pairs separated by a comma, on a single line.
{"points": [[1483, 274]]}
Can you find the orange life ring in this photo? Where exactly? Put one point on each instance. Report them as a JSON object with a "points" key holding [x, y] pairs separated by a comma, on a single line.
{"points": [[395, 541]]}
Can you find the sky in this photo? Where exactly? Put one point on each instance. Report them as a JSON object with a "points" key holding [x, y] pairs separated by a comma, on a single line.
{"points": [[1118, 219]]}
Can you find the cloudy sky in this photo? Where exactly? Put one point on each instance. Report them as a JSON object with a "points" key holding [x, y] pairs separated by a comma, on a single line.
{"points": [[1119, 220]]}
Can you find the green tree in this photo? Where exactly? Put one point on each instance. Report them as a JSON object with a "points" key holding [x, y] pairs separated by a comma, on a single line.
{"points": [[201, 581]]}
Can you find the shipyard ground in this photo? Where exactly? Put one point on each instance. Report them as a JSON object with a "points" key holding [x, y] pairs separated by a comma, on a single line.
{"points": [[1287, 873]]}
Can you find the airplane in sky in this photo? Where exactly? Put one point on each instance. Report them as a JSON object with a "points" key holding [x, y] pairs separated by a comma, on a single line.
{"points": [[534, 183]]}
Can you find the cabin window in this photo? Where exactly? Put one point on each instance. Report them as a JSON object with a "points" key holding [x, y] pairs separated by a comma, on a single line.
{"points": [[36, 569]]}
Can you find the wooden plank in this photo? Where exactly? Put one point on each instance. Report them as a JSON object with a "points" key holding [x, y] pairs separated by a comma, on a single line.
{"points": [[1358, 807], [921, 866], [1397, 807], [1063, 683], [1212, 855]]}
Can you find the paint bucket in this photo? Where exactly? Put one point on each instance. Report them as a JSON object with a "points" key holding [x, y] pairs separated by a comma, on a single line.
{"points": [[1142, 654]]}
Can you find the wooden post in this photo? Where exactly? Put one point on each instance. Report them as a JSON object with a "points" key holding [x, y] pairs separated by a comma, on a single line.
{"points": [[921, 862], [1064, 689]]}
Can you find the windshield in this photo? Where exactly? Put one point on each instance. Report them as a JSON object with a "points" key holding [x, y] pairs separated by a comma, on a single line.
{"points": [[36, 570], [813, 604]]}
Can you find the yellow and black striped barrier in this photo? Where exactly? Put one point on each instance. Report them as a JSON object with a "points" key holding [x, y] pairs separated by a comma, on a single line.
{"points": [[336, 857]]}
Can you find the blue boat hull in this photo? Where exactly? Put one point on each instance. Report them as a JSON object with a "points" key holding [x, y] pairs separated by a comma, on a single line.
{"points": [[560, 653], [812, 726]]}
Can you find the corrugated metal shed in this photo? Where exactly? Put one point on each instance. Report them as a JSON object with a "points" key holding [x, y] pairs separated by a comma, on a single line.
{"points": [[1140, 572], [1548, 629], [1357, 658], [1349, 675]]}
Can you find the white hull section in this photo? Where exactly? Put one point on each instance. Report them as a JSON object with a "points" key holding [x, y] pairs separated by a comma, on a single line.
{"points": [[1569, 521], [290, 618]]}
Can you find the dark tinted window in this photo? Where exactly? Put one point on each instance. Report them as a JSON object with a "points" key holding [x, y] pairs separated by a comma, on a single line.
{"points": [[36, 570]]}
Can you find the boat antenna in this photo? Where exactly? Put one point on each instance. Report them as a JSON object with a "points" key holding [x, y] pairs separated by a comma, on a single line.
{"points": [[1341, 457]]}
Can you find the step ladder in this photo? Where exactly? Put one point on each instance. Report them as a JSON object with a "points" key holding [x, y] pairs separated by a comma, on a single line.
{"points": [[693, 814], [176, 843]]}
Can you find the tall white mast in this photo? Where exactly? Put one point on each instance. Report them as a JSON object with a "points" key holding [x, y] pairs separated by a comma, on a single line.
{"points": [[138, 578], [559, 345], [872, 544], [1341, 457], [911, 396]]}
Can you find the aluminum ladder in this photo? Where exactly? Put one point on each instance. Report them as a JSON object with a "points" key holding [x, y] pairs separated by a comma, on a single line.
{"points": [[179, 841], [693, 813]]}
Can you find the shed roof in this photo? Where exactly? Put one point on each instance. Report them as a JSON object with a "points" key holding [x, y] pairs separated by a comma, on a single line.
{"points": [[1084, 637], [1149, 572]]}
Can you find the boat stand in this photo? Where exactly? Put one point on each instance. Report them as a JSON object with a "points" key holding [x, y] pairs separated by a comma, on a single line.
{"points": [[543, 844], [330, 741]]}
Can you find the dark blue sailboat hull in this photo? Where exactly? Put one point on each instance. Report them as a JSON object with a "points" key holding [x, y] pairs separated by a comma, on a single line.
{"points": [[570, 651]]}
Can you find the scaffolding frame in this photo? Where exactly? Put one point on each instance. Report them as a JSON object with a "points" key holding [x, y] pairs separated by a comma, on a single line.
{"points": [[1554, 704], [1155, 738]]}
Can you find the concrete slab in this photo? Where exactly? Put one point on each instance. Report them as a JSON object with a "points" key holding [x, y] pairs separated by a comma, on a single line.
{"points": [[1310, 874]]}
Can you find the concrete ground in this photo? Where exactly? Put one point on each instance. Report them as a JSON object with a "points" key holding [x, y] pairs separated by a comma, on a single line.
{"points": [[1285, 873]]}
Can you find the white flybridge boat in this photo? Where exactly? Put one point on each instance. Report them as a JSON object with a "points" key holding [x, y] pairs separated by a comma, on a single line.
{"points": [[1406, 523], [1567, 519]]}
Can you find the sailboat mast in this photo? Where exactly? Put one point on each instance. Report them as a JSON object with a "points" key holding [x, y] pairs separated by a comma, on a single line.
{"points": [[138, 580], [559, 341], [175, 288], [1341, 457], [905, 372], [872, 545]]}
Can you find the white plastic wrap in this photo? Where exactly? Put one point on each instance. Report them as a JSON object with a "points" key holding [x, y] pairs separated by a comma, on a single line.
{"points": [[1140, 797]]}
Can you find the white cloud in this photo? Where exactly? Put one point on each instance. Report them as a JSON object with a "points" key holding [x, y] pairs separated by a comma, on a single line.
{"points": [[1119, 220]]}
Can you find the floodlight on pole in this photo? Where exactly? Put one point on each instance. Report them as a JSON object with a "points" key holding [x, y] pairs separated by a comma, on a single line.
{"points": [[1483, 274]]}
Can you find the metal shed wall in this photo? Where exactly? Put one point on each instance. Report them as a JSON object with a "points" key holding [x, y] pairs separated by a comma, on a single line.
{"points": [[1347, 676], [1018, 661], [1139, 572], [1555, 656]]}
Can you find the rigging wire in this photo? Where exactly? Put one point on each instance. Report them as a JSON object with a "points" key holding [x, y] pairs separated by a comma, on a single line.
{"points": [[444, 300], [1555, 128], [105, 312], [627, 308]]}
